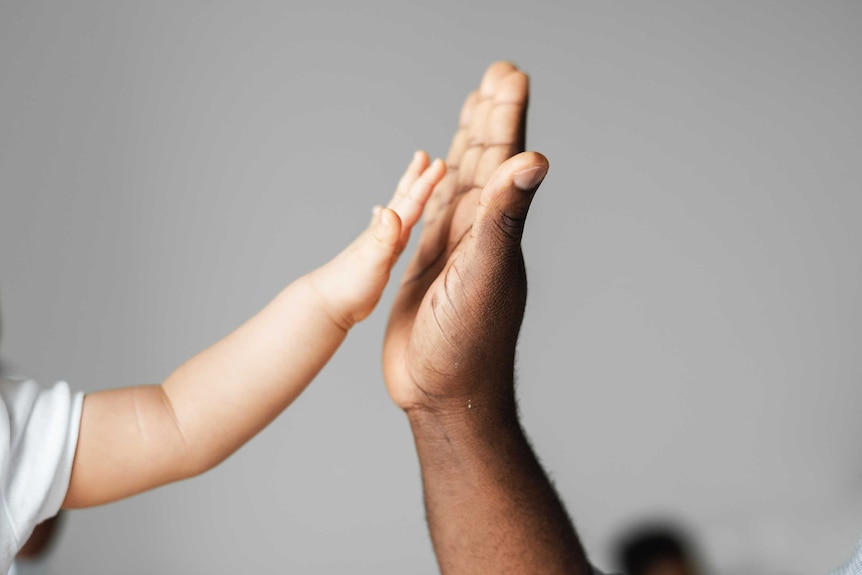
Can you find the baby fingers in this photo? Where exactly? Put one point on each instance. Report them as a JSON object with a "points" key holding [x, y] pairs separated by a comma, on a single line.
{"points": [[409, 202]]}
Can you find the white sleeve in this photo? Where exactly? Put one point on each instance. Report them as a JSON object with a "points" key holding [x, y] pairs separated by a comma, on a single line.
{"points": [[854, 566], [38, 436]]}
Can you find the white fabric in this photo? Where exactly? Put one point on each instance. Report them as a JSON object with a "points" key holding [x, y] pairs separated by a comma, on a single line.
{"points": [[854, 566], [38, 436]]}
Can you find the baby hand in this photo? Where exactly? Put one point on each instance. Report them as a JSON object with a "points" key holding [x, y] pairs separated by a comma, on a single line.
{"points": [[351, 284]]}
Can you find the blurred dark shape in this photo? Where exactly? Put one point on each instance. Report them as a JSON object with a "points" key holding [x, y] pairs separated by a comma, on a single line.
{"points": [[657, 549], [42, 539]]}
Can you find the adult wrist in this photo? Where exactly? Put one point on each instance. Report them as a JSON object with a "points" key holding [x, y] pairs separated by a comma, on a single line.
{"points": [[467, 413], [454, 439]]}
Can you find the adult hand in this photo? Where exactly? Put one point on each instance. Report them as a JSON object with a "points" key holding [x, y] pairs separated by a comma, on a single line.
{"points": [[451, 338], [450, 347]]}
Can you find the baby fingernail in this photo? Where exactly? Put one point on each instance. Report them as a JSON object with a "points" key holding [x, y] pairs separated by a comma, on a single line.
{"points": [[530, 178]]}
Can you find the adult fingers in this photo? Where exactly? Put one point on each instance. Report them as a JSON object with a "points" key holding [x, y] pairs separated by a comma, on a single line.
{"points": [[504, 202]]}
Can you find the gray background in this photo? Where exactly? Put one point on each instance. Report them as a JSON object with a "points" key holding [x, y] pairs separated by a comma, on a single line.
{"points": [[691, 340]]}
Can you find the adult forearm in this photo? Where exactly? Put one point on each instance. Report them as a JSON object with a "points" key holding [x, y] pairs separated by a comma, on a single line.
{"points": [[490, 506]]}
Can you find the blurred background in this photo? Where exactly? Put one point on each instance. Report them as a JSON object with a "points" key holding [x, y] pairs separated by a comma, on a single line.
{"points": [[691, 347]]}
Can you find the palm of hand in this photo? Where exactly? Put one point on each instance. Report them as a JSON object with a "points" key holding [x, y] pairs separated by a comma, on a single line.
{"points": [[457, 314]]}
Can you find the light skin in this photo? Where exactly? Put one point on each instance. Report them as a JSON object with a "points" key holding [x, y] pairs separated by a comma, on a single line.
{"points": [[136, 438], [448, 358], [450, 346]]}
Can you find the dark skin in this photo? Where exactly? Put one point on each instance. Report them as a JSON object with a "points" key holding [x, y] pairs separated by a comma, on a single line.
{"points": [[449, 353], [450, 347]]}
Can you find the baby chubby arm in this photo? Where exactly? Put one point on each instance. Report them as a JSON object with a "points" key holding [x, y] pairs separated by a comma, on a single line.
{"points": [[137, 438]]}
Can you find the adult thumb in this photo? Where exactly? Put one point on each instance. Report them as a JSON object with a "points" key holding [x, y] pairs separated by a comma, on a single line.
{"points": [[505, 200]]}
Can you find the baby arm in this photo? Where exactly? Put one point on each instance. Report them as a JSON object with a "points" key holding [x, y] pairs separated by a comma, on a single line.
{"points": [[137, 438]]}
